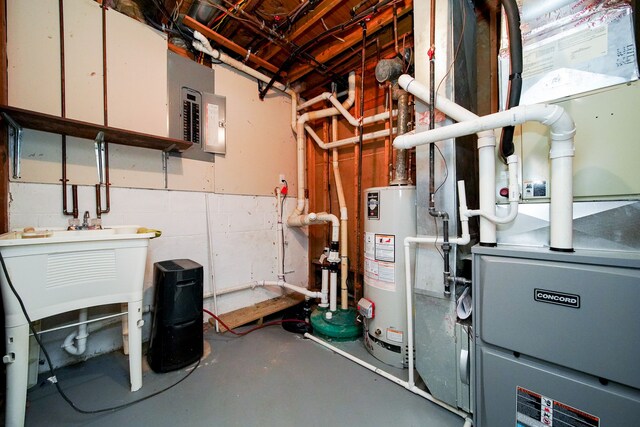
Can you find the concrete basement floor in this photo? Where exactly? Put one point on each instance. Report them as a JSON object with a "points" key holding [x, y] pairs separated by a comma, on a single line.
{"points": [[268, 378]]}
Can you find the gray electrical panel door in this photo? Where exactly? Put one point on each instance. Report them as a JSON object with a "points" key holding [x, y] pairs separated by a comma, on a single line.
{"points": [[196, 114]]}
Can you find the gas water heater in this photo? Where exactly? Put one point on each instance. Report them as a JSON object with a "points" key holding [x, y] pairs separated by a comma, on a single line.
{"points": [[391, 216]]}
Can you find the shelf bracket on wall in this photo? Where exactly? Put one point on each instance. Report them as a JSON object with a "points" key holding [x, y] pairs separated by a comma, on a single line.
{"points": [[165, 164], [100, 156], [15, 135]]}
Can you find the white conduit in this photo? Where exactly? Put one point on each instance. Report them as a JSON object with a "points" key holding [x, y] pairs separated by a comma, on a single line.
{"points": [[411, 387], [561, 154]]}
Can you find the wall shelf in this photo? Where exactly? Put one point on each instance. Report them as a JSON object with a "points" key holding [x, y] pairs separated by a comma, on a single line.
{"points": [[63, 126]]}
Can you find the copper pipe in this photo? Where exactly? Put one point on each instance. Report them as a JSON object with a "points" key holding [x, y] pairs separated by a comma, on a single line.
{"points": [[98, 201], [63, 113], [395, 27], [104, 64], [326, 179], [62, 67], [358, 148], [387, 142], [107, 183]]}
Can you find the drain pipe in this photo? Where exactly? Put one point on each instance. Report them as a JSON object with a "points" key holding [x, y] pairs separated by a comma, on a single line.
{"points": [[80, 336], [561, 153]]}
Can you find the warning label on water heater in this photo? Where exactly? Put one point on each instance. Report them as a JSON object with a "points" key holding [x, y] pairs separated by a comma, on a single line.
{"points": [[379, 257], [536, 410]]}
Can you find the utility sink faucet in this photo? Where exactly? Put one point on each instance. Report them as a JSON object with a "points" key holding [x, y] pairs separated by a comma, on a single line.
{"points": [[85, 220]]}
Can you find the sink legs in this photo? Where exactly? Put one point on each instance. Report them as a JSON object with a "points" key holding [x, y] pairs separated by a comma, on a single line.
{"points": [[135, 344], [17, 361]]}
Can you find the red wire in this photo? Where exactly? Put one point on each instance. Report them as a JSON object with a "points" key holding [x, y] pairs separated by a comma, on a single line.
{"points": [[264, 325]]}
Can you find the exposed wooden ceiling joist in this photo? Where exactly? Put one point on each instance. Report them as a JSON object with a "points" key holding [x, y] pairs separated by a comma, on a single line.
{"points": [[210, 34], [351, 39], [319, 12]]}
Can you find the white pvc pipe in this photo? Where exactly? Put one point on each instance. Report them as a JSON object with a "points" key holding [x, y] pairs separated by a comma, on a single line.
{"points": [[279, 238], [405, 384], [549, 115], [347, 141], [352, 120], [333, 291], [79, 337], [295, 219], [344, 234], [322, 97], [561, 153], [325, 286], [201, 43], [299, 289], [242, 287], [486, 151], [380, 117], [514, 196]]}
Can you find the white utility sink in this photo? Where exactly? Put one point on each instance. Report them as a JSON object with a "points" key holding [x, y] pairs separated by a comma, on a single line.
{"points": [[55, 271]]}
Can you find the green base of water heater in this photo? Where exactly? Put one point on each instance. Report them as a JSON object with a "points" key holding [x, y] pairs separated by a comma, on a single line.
{"points": [[341, 327]]}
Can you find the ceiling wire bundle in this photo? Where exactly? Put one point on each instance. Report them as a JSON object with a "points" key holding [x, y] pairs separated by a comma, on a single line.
{"points": [[54, 379], [355, 20]]}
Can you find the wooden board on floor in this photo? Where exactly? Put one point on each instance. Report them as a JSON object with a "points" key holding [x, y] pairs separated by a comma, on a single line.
{"points": [[245, 315]]}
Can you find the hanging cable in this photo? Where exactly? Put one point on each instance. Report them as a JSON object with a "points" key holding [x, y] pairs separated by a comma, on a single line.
{"points": [[54, 379], [515, 77], [356, 19], [446, 246]]}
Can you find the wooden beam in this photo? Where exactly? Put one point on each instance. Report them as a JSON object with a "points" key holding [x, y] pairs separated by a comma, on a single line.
{"points": [[318, 13], [245, 315], [352, 38], [210, 34], [180, 51], [63, 126]]}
